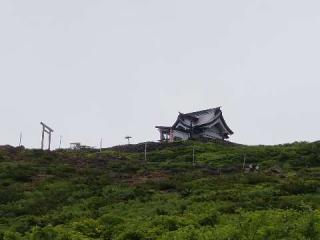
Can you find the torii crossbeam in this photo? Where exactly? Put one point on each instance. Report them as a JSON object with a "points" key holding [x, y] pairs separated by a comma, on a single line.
{"points": [[48, 130]]}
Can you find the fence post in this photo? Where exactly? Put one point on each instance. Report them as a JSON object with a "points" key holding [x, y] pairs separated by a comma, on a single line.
{"points": [[193, 157], [244, 161], [145, 152]]}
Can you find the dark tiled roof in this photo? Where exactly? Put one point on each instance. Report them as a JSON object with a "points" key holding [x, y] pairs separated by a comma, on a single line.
{"points": [[194, 117], [163, 127], [206, 111]]}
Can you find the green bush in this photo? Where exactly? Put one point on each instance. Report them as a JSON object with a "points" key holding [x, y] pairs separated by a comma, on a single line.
{"points": [[299, 186], [210, 220], [85, 195]]}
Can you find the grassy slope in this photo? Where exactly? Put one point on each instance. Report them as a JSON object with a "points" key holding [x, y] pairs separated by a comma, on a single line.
{"points": [[117, 195]]}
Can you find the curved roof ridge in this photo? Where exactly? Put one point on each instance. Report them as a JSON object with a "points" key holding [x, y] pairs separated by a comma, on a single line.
{"points": [[202, 111]]}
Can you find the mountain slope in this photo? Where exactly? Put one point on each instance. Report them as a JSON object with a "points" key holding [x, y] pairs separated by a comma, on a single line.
{"points": [[116, 194]]}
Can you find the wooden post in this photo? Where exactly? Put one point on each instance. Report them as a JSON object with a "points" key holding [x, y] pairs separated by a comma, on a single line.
{"points": [[42, 138], [244, 161], [145, 152], [48, 130], [49, 145], [193, 157], [161, 135]]}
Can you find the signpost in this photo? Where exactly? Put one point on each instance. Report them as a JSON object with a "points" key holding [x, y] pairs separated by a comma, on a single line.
{"points": [[128, 138]]}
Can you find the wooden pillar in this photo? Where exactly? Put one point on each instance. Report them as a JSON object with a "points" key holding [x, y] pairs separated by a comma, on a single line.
{"points": [[161, 135], [49, 131], [49, 141], [171, 135], [42, 138], [145, 152]]}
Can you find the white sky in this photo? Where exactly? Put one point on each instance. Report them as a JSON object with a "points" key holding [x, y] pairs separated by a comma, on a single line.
{"points": [[93, 69]]}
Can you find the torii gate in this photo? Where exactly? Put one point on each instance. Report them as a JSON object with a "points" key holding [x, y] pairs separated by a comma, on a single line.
{"points": [[48, 130]]}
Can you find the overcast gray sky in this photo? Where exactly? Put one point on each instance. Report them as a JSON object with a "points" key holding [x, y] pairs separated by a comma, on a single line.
{"points": [[93, 69]]}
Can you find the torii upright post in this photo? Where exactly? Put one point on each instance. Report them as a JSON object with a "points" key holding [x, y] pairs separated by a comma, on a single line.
{"points": [[48, 130]]}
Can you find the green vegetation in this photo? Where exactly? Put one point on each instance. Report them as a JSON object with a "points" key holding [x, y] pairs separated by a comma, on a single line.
{"points": [[117, 195]]}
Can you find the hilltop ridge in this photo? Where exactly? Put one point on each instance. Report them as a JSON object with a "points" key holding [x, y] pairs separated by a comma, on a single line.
{"points": [[117, 194]]}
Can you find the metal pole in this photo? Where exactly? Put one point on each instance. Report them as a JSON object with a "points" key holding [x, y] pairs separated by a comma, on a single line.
{"points": [[60, 142], [101, 145], [20, 139]]}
